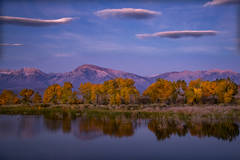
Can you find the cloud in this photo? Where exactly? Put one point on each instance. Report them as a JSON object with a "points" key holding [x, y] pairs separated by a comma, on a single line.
{"points": [[204, 49], [81, 44], [11, 44], [128, 13], [32, 22], [179, 34], [221, 2]]}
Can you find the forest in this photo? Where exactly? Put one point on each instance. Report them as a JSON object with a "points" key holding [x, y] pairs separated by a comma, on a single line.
{"points": [[122, 91]]}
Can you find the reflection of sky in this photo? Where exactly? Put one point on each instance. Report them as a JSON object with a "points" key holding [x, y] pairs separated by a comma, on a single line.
{"points": [[112, 42]]}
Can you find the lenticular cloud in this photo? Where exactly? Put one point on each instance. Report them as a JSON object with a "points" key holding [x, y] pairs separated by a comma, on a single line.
{"points": [[221, 2], [128, 13], [11, 44], [179, 34], [32, 21]]}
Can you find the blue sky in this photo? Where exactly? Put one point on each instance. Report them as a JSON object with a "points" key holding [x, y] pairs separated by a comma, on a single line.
{"points": [[111, 42]]}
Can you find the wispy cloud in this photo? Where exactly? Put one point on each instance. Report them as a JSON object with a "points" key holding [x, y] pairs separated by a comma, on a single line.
{"points": [[85, 45], [128, 13], [179, 34], [201, 49], [221, 2], [32, 21], [11, 44]]}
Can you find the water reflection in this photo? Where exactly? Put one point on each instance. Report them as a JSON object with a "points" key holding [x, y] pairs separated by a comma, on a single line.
{"points": [[166, 127], [20, 126], [116, 127], [222, 130], [92, 127]]}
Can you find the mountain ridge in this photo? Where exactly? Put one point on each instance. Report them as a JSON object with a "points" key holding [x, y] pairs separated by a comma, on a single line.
{"points": [[37, 79]]}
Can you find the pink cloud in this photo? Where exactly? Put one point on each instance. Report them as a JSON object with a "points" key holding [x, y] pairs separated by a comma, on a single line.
{"points": [[32, 21], [221, 2]]}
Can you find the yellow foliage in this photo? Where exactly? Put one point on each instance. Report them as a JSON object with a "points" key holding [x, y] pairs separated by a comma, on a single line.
{"points": [[37, 98], [112, 91], [26, 95], [8, 97], [52, 94], [160, 91]]}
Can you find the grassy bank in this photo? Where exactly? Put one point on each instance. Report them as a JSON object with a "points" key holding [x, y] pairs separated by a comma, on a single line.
{"points": [[136, 111]]}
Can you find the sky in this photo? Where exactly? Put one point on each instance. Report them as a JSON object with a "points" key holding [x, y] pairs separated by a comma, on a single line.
{"points": [[141, 37]]}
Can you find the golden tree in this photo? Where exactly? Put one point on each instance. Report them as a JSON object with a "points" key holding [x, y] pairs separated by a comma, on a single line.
{"points": [[85, 91], [8, 97], [208, 90], [67, 93], [52, 94], [121, 90], [160, 91], [114, 91], [74, 99], [194, 92], [26, 95], [179, 89], [225, 90], [37, 98]]}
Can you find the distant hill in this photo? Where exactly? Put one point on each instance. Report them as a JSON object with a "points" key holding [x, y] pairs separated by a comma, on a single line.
{"points": [[38, 80], [210, 75]]}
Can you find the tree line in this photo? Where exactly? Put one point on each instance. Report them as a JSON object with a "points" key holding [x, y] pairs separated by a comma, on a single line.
{"points": [[122, 91]]}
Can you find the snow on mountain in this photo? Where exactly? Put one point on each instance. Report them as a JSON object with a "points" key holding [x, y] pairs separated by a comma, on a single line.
{"points": [[36, 79]]}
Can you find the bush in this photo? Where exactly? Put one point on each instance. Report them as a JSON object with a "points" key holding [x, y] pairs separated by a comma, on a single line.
{"points": [[44, 105]]}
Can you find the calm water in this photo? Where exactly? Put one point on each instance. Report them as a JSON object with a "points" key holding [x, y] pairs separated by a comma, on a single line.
{"points": [[37, 138]]}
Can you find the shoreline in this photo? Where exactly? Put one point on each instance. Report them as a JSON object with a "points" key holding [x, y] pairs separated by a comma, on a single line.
{"points": [[57, 111]]}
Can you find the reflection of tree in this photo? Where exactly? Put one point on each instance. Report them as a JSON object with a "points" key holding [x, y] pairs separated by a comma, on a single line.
{"points": [[116, 127], [8, 126], [20, 126], [52, 125], [66, 122], [90, 127], [55, 120], [86, 129], [221, 130], [29, 126], [164, 128]]}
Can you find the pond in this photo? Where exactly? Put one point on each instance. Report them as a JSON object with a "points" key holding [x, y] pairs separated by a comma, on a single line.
{"points": [[105, 137]]}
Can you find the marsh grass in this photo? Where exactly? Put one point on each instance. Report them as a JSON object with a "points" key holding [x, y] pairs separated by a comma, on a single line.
{"points": [[128, 111]]}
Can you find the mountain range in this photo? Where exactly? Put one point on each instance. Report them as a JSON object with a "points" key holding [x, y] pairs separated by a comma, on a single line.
{"points": [[38, 80]]}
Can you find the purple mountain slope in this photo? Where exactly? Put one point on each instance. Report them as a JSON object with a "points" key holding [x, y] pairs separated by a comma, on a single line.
{"points": [[210, 75], [36, 79]]}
